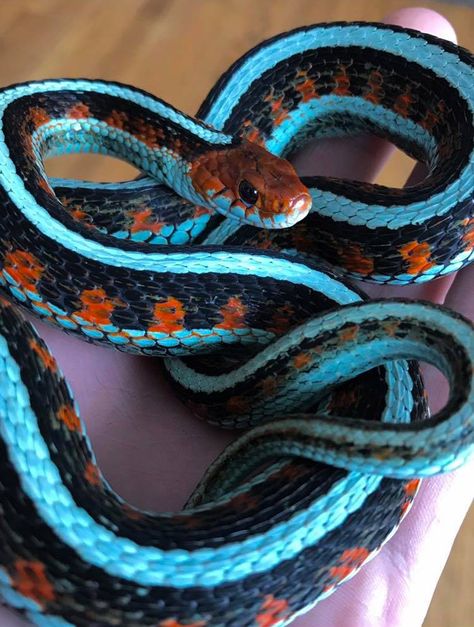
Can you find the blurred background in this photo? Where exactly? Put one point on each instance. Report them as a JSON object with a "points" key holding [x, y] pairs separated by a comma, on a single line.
{"points": [[177, 49]]}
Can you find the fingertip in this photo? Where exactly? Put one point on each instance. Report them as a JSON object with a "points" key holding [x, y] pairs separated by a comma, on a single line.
{"points": [[424, 20]]}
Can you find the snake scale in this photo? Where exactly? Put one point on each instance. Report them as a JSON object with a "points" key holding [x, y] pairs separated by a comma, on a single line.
{"points": [[257, 324]]}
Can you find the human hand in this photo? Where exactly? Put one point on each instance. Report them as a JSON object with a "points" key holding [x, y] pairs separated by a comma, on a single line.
{"points": [[153, 451]]}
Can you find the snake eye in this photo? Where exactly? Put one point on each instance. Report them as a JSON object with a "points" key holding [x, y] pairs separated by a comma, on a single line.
{"points": [[248, 194]]}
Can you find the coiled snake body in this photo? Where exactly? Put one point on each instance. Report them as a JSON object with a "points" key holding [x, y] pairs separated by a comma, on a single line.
{"points": [[272, 528]]}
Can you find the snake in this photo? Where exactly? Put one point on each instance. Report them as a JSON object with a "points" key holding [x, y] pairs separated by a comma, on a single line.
{"points": [[238, 273]]}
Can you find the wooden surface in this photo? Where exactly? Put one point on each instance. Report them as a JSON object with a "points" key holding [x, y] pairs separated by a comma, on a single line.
{"points": [[177, 49]]}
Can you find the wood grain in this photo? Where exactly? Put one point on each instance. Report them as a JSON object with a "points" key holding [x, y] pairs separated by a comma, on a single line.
{"points": [[177, 49]]}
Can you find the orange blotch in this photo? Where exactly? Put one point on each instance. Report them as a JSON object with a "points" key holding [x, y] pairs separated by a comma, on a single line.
{"points": [[39, 116], [148, 134], [417, 255], [391, 327], [252, 133], [91, 474], [281, 322], [45, 186], [168, 316], [375, 92], [403, 103], [269, 385], [24, 268], [292, 471], [144, 221], [69, 417], [272, 611], [354, 260], [264, 239], [410, 488], [244, 502], [468, 237], [78, 112], [349, 333], [31, 580], [301, 360], [305, 86], [237, 405], [343, 82], [199, 211], [131, 512], [348, 562], [279, 113], [434, 116], [97, 307], [117, 119], [44, 355], [172, 622], [233, 314]]}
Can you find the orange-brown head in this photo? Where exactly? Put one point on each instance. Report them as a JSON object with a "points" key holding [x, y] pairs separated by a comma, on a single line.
{"points": [[250, 184]]}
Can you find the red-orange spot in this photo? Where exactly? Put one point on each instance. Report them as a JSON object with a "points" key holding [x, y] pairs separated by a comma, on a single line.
{"points": [[144, 221], [269, 386], [281, 319], [244, 502], [348, 562], [172, 622], [44, 355], [31, 580], [39, 116], [417, 255], [301, 360], [433, 116], [45, 186], [391, 327], [148, 134], [78, 111], [168, 316], [131, 512], [69, 417], [410, 489], [468, 237], [305, 86], [252, 133], [233, 314], [375, 93], [353, 259], [237, 405], [199, 211], [349, 333], [91, 474], [272, 611], [97, 307], [403, 103], [117, 119], [343, 82], [24, 268]]}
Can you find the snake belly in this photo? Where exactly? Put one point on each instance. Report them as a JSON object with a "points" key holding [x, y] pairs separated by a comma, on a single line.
{"points": [[253, 546]]}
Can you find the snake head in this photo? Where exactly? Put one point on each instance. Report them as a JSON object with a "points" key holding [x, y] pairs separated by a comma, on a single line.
{"points": [[250, 184]]}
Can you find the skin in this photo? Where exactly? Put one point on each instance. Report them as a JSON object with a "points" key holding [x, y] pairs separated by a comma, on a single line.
{"points": [[131, 414]]}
